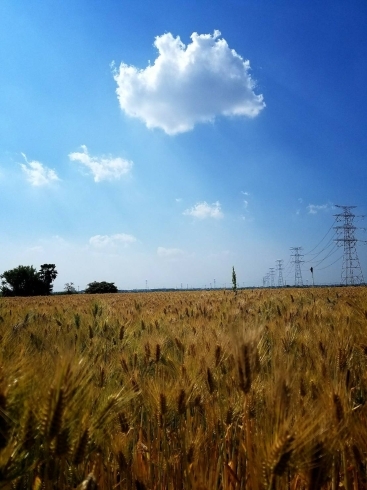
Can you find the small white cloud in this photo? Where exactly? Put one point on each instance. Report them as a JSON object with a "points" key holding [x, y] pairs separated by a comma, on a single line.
{"points": [[37, 173], [170, 253], [104, 241], [189, 84], [102, 168], [36, 249], [178, 199], [315, 208], [221, 254], [203, 210]]}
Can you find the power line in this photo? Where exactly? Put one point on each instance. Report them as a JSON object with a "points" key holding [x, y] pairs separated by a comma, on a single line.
{"points": [[331, 252], [322, 250], [335, 261], [344, 235], [323, 238]]}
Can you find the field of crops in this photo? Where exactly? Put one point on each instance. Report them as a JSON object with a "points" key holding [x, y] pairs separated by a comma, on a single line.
{"points": [[265, 389]]}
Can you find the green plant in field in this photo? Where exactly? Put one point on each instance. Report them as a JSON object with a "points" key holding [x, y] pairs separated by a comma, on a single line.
{"points": [[234, 281]]}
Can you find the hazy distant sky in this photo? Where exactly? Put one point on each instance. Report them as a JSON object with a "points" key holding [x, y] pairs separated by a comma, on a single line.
{"points": [[168, 141]]}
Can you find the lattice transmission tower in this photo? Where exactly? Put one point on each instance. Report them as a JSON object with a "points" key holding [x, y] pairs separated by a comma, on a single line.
{"points": [[280, 272], [351, 268], [271, 272], [267, 280], [297, 261]]}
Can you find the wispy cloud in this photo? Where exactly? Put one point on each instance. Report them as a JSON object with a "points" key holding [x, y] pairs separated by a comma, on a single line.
{"points": [[221, 254], [315, 208], [38, 174], [245, 201], [170, 253], [108, 241], [172, 94], [245, 207], [104, 167], [203, 210]]}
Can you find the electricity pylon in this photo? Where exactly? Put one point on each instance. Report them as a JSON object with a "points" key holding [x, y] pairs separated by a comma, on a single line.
{"points": [[271, 269], [280, 272], [297, 265], [351, 268], [267, 279]]}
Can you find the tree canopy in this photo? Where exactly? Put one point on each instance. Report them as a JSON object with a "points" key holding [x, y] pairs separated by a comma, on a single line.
{"points": [[47, 274], [101, 287], [69, 288], [24, 280], [234, 280]]}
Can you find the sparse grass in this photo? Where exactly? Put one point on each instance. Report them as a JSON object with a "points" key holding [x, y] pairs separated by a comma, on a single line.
{"points": [[265, 389]]}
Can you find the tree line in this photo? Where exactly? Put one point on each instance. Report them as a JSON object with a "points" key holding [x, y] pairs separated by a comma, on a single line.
{"points": [[25, 280]]}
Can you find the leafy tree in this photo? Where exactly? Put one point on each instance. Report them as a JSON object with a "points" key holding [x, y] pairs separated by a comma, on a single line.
{"points": [[21, 281], [69, 288], [47, 274], [101, 287], [234, 281], [24, 280]]}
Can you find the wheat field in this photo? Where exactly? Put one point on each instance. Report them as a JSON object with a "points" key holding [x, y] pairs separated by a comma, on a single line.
{"points": [[263, 389]]}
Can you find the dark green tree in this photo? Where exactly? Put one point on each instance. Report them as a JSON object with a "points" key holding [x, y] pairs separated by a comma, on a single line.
{"points": [[101, 287], [47, 274], [234, 281], [24, 280], [21, 281]]}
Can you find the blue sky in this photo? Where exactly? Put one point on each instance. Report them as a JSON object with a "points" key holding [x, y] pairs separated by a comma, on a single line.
{"points": [[169, 141]]}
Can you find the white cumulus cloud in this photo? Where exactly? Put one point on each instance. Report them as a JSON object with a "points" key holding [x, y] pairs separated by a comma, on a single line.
{"points": [[188, 84], [104, 241], [37, 173], [204, 210], [170, 253], [102, 168]]}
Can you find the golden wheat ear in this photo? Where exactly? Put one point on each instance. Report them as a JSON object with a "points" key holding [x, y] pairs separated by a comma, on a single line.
{"points": [[181, 402], [80, 448], [281, 453], [210, 380], [57, 415]]}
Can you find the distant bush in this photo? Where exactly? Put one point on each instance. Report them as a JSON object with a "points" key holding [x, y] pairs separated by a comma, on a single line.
{"points": [[101, 287]]}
